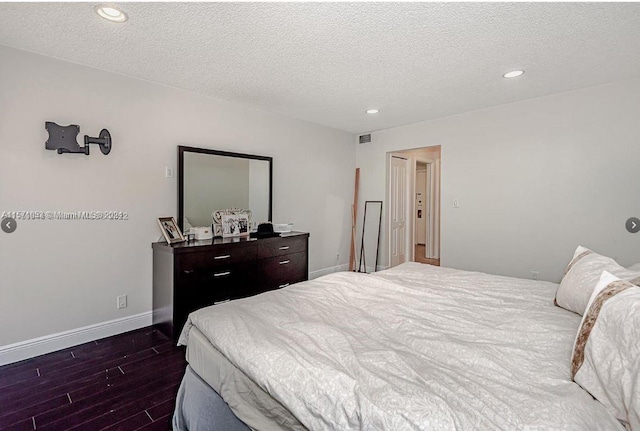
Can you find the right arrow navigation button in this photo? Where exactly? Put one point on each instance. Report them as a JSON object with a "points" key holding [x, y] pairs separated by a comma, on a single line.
{"points": [[633, 225]]}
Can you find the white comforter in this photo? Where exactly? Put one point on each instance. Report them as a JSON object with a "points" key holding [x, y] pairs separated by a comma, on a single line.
{"points": [[414, 347]]}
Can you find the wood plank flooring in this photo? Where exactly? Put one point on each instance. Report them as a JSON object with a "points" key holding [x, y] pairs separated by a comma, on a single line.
{"points": [[126, 382], [419, 256]]}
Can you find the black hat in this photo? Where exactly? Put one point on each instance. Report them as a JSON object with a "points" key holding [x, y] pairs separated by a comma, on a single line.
{"points": [[265, 230]]}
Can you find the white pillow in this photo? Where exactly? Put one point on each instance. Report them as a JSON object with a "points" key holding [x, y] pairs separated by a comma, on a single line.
{"points": [[606, 354], [582, 275]]}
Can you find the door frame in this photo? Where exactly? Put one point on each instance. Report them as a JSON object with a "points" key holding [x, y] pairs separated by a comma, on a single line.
{"points": [[427, 203], [433, 228]]}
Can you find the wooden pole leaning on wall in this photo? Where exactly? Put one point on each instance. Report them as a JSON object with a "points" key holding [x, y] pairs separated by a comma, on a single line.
{"points": [[354, 219]]}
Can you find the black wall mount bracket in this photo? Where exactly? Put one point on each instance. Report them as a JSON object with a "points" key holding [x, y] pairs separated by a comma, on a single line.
{"points": [[63, 139]]}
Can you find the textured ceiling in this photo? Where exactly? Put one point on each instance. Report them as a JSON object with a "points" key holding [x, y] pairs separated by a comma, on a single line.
{"points": [[328, 62]]}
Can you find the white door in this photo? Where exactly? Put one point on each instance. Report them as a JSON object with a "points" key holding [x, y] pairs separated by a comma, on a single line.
{"points": [[398, 210]]}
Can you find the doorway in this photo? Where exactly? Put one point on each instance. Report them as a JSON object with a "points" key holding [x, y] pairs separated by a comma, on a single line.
{"points": [[414, 210], [424, 250]]}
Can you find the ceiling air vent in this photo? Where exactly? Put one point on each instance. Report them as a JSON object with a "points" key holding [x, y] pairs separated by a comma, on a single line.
{"points": [[365, 139]]}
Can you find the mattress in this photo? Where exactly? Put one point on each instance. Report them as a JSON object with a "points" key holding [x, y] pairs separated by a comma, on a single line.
{"points": [[200, 408], [414, 347], [246, 400]]}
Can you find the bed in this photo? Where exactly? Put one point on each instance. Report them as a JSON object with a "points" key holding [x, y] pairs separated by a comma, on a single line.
{"points": [[413, 347]]}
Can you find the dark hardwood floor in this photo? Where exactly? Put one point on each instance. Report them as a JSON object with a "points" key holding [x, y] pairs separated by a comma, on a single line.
{"points": [[125, 382]]}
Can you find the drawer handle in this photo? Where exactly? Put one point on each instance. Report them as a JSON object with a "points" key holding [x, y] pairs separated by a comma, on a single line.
{"points": [[225, 256], [284, 247], [188, 271], [283, 285], [221, 302], [284, 262], [222, 274]]}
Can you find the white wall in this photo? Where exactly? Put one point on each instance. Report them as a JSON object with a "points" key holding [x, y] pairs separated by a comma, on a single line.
{"points": [[60, 275], [534, 179]]}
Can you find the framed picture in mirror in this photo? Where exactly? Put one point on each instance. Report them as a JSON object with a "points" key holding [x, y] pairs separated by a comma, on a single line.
{"points": [[216, 216]]}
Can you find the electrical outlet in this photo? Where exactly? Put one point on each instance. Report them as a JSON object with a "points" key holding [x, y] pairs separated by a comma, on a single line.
{"points": [[122, 301], [337, 256], [456, 203], [168, 171], [535, 275]]}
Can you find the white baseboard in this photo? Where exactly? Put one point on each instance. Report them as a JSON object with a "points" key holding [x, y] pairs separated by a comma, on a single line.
{"points": [[50, 343], [325, 271]]}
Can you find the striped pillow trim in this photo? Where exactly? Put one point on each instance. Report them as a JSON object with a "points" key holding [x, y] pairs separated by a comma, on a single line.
{"points": [[590, 320]]}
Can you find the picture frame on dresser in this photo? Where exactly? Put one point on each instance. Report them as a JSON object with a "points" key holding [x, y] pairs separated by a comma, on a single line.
{"points": [[170, 230], [235, 225]]}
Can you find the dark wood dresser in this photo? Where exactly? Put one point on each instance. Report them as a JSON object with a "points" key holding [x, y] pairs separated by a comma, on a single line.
{"points": [[192, 275]]}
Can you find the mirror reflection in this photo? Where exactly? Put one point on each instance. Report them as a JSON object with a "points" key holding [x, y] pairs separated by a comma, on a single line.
{"points": [[214, 180]]}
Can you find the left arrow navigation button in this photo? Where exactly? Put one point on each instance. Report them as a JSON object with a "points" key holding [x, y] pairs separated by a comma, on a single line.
{"points": [[8, 225]]}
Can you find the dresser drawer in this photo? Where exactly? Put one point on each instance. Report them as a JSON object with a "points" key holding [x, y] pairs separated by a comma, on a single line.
{"points": [[281, 271], [220, 274], [197, 297], [206, 286], [220, 257], [281, 246], [203, 287]]}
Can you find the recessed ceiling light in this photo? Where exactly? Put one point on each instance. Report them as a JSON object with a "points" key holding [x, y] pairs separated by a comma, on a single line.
{"points": [[372, 111], [513, 74], [111, 13]]}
